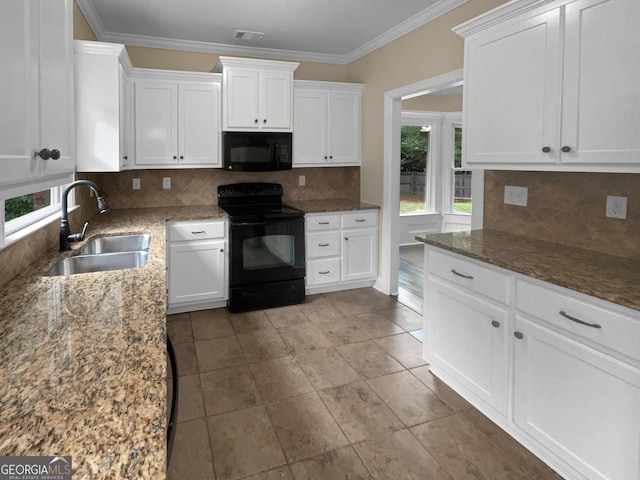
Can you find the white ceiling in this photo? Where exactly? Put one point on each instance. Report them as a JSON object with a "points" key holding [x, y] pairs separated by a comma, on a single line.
{"points": [[332, 31]]}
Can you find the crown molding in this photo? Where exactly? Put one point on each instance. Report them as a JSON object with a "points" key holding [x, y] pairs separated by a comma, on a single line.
{"points": [[502, 13], [439, 8], [419, 19]]}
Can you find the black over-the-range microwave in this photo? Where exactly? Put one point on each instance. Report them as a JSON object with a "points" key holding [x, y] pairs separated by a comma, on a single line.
{"points": [[256, 151]]}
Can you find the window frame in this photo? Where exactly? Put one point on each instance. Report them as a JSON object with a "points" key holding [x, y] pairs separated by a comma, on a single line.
{"points": [[13, 230]]}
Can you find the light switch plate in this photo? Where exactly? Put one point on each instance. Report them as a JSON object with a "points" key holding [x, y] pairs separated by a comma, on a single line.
{"points": [[516, 195], [166, 183], [135, 184]]}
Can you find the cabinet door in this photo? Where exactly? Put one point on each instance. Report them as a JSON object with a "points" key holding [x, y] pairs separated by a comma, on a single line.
{"points": [[577, 402], [196, 272], [275, 98], [310, 127], [601, 105], [240, 109], [37, 89], [512, 92], [19, 92], [156, 121], [359, 254], [343, 145], [56, 114], [199, 124], [466, 337]]}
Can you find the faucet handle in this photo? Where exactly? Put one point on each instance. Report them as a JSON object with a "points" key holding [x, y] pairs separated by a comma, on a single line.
{"points": [[78, 237]]}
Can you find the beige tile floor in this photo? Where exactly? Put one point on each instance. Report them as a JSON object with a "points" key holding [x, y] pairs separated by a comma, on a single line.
{"points": [[335, 388]]}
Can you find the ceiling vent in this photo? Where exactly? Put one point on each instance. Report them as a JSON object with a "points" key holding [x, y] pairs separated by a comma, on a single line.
{"points": [[244, 35]]}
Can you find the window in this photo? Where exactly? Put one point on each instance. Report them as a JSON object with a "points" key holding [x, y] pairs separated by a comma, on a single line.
{"points": [[414, 163], [461, 188], [23, 207]]}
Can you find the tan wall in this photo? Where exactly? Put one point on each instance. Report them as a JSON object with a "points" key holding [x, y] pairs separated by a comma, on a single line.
{"points": [[426, 52], [81, 28], [434, 103]]}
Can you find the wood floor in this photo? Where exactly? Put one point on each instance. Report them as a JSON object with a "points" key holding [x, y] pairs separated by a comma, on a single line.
{"points": [[411, 277]]}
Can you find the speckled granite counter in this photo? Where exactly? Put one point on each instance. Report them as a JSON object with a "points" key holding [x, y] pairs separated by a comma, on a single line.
{"points": [[317, 206], [611, 278], [82, 358]]}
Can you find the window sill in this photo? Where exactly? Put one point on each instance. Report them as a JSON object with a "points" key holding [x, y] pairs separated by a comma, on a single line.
{"points": [[34, 227]]}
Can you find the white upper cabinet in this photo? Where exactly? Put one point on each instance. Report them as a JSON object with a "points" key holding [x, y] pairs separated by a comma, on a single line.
{"points": [[104, 114], [177, 121], [36, 42], [256, 94], [553, 86], [326, 124]]}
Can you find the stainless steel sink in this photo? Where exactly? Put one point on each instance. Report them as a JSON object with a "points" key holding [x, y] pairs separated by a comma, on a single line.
{"points": [[98, 263], [117, 243]]}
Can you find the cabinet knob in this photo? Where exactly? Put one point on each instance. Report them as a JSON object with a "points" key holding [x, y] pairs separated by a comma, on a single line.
{"points": [[181, 157], [330, 156], [518, 335], [346, 238], [495, 323], [264, 121], [175, 157], [546, 149], [256, 120], [566, 149], [44, 154], [126, 157], [55, 154], [222, 250]]}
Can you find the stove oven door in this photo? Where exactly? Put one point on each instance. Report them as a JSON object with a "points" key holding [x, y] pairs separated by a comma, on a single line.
{"points": [[266, 251]]}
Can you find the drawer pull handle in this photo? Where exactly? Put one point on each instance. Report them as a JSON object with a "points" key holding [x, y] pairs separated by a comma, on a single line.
{"points": [[577, 320], [360, 220], [323, 223], [469, 277], [326, 272], [323, 244], [518, 335], [201, 232], [495, 323]]}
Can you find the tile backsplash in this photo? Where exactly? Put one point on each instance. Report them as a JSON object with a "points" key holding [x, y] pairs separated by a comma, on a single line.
{"points": [[199, 186], [567, 208]]}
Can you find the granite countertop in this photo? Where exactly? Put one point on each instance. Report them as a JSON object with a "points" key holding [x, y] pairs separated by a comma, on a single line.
{"points": [[317, 206], [82, 357], [608, 277]]}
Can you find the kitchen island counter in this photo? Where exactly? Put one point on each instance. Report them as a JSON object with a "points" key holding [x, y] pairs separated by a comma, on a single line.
{"points": [[608, 277], [82, 357]]}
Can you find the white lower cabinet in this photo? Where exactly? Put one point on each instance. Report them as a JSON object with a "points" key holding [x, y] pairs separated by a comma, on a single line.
{"points": [[341, 250], [468, 340], [196, 265], [581, 404], [558, 370]]}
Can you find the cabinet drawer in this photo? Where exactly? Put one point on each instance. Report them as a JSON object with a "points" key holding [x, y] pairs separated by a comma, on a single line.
{"points": [[469, 275], [367, 218], [610, 329], [323, 244], [322, 222], [195, 230], [323, 271]]}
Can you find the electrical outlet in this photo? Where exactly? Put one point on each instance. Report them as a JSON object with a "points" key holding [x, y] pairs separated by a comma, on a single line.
{"points": [[166, 183], [302, 180], [135, 184], [616, 207], [516, 195]]}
